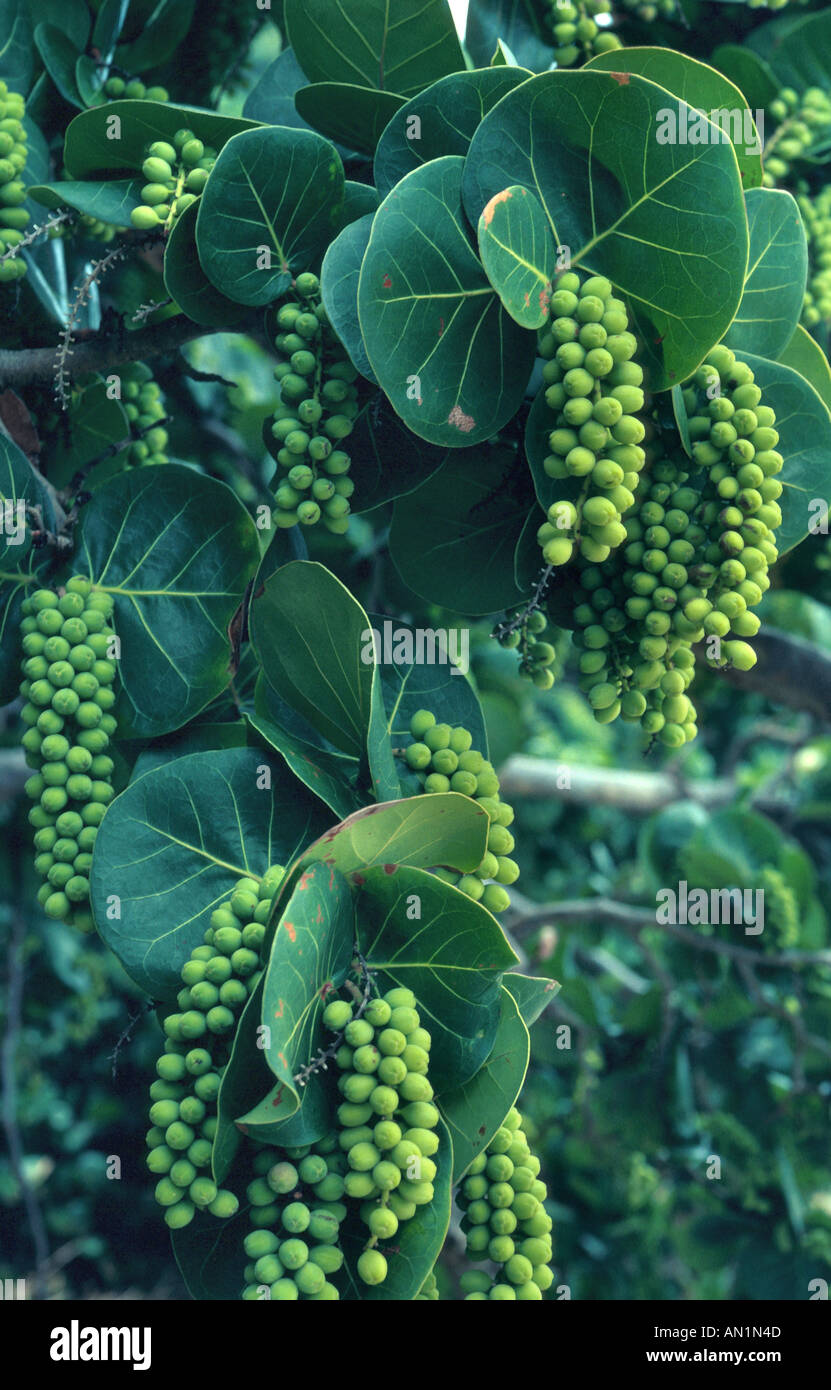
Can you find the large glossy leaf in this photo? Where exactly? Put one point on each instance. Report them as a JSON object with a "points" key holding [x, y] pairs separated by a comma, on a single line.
{"points": [[21, 486], [442, 120], [400, 48], [416, 931], [804, 428], [172, 846], [453, 364], [111, 201], [518, 254], [311, 950], [425, 832], [804, 355], [416, 1245], [59, 56], [353, 116], [776, 275], [176, 551], [270, 207], [186, 281], [453, 540], [517, 22], [332, 775], [339, 285], [18, 56], [388, 460], [89, 149], [701, 87], [587, 143], [474, 1111], [308, 632]]}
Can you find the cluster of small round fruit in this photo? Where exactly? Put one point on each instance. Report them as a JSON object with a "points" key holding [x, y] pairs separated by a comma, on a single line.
{"points": [[132, 89], [68, 675], [296, 1212], [816, 214], [144, 407], [217, 981], [505, 1220], [524, 635], [316, 413], [577, 35], [13, 150], [595, 390], [445, 760], [387, 1117], [176, 174], [800, 120]]}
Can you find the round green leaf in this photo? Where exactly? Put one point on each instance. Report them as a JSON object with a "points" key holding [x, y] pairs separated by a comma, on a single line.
{"points": [[400, 48], [804, 355], [442, 120], [354, 116], [307, 630], [473, 1112], [451, 361], [776, 275], [111, 201], [419, 932], [112, 137], [798, 51], [269, 209], [518, 254], [186, 281], [440, 828], [59, 56], [749, 72], [172, 846], [176, 551], [589, 145], [453, 540], [339, 284], [703, 88], [804, 427]]}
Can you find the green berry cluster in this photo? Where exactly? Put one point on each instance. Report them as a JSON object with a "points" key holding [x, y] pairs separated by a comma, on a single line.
{"points": [[297, 1193], [816, 214], [505, 1220], [524, 635], [429, 1291], [577, 36], [387, 1117], [143, 406], [801, 119], [69, 696], [445, 761], [594, 389], [176, 175], [317, 410], [647, 10], [133, 89], [217, 981], [13, 149], [695, 563]]}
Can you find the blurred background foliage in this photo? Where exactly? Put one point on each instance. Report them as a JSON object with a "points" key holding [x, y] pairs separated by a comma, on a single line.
{"points": [[663, 1050]]}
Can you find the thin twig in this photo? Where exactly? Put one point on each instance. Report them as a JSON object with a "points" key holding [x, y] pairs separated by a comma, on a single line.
{"points": [[34, 233], [364, 994], [65, 346]]}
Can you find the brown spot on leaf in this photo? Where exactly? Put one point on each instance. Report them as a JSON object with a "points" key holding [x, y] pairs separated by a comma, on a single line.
{"points": [[463, 422], [390, 868], [291, 930], [487, 215], [622, 78]]}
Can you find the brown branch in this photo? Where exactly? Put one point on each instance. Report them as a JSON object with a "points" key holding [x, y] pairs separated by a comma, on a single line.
{"points": [[101, 353], [635, 919]]}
